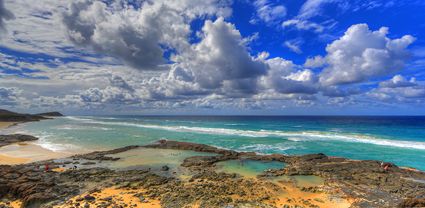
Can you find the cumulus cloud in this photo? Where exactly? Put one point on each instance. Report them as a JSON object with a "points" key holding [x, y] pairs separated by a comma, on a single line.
{"points": [[138, 36], [268, 12], [5, 14], [284, 77], [220, 56], [210, 68], [398, 81], [9, 96], [315, 62], [361, 54], [399, 89]]}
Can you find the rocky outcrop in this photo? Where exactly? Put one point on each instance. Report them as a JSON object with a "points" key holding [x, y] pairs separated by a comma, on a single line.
{"points": [[15, 138], [167, 144], [9, 116], [50, 114]]}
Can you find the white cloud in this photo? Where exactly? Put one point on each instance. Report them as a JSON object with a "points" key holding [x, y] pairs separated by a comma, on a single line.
{"points": [[313, 8], [361, 54], [9, 96], [398, 81], [303, 25], [138, 36], [294, 45], [399, 89], [268, 12], [284, 77], [220, 55], [315, 62], [5, 14]]}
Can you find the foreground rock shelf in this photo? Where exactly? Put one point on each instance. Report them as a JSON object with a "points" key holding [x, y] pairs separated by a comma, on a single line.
{"points": [[86, 180]]}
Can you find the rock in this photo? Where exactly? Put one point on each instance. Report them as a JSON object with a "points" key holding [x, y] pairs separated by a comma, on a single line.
{"points": [[15, 138], [10, 116], [89, 198], [413, 202], [50, 114], [107, 198], [165, 168]]}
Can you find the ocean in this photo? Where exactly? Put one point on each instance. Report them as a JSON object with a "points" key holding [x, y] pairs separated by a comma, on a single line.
{"points": [[400, 140]]}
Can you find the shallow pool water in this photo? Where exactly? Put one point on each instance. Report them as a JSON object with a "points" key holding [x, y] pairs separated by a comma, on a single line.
{"points": [[153, 158], [301, 180], [248, 168]]}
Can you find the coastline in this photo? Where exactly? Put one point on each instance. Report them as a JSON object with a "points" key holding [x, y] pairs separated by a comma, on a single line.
{"points": [[101, 176], [149, 175]]}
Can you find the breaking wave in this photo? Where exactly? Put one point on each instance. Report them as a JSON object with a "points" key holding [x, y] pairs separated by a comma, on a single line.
{"points": [[301, 136]]}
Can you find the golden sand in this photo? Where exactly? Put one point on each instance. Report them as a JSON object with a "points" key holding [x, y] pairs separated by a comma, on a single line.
{"points": [[119, 196], [4, 125], [295, 196], [27, 152]]}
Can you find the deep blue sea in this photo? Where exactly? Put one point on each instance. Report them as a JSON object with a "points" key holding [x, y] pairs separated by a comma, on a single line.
{"points": [[400, 140]]}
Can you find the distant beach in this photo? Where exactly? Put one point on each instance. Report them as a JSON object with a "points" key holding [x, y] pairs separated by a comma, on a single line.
{"points": [[25, 152]]}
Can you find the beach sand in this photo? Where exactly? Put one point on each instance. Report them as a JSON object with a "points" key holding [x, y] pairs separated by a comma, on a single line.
{"points": [[27, 152], [4, 125]]}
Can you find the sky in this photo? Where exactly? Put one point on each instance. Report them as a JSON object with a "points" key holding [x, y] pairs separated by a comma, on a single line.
{"points": [[213, 57]]}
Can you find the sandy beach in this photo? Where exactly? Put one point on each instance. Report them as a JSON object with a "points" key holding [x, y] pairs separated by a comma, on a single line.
{"points": [[25, 152], [4, 125]]}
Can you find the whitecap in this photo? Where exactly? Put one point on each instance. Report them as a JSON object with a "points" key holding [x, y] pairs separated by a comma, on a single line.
{"points": [[290, 135]]}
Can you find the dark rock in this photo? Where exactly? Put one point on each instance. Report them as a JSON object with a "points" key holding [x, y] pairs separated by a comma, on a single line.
{"points": [[15, 138], [10, 116], [89, 198], [165, 168], [50, 114]]}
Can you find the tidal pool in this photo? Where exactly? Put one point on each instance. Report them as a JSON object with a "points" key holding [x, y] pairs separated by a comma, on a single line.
{"points": [[153, 158], [248, 168], [301, 180]]}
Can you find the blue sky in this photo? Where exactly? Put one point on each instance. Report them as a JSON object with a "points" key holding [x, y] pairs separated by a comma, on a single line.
{"points": [[312, 57]]}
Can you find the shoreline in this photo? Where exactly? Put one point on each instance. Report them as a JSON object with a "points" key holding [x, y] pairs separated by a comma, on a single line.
{"points": [[28, 151], [104, 174], [101, 175], [7, 124]]}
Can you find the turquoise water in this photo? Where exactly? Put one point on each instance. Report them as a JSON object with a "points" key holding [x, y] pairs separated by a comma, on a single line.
{"points": [[395, 139]]}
